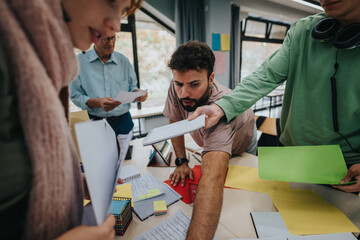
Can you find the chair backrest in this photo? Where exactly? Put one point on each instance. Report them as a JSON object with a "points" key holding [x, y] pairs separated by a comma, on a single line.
{"points": [[270, 128], [76, 117]]}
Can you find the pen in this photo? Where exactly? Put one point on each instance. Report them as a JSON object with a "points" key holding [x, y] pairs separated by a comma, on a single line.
{"points": [[196, 158]]}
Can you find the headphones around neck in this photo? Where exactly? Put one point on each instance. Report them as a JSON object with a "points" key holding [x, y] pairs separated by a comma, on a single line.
{"points": [[328, 29]]}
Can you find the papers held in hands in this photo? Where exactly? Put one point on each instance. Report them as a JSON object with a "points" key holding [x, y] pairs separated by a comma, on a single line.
{"points": [[100, 156], [173, 130], [128, 97]]}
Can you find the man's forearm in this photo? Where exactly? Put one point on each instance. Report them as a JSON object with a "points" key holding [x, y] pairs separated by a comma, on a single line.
{"points": [[209, 197]]}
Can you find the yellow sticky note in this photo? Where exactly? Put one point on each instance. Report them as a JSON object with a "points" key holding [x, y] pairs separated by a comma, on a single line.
{"points": [[247, 178], [305, 212], [124, 190], [225, 42], [160, 206], [154, 192], [151, 193], [86, 202]]}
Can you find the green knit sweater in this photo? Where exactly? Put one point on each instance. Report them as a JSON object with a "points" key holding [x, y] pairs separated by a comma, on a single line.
{"points": [[307, 65]]}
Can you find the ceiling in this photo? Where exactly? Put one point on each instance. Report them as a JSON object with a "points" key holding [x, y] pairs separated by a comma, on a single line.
{"points": [[281, 10], [294, 5]]}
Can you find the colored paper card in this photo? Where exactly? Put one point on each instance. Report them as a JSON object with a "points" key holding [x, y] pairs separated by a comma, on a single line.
{"points": [[225, 42], [216, 41], [305, 164], [220, 63], [304, 212], [160, 207], [86, 202], [124, 190], [247, 178]]}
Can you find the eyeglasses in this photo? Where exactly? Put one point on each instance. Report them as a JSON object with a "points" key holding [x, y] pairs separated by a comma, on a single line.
{"points": [[108, 39]]}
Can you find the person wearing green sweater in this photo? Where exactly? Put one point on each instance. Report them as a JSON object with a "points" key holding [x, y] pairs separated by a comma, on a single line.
{"points": [[322, 102]]}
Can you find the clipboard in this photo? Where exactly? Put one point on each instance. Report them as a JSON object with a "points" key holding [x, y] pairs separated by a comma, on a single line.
{"points": [[162, 155]]}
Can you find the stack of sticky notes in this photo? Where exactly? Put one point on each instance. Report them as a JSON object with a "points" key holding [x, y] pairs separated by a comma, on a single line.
{"points": [[160, 208], [121, 209]]}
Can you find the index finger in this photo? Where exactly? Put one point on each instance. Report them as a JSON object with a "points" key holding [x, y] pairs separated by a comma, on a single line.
{"points": [[349, 188]]}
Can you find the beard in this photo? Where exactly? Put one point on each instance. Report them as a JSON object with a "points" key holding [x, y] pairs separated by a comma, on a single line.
{"points": [[198, 102]]}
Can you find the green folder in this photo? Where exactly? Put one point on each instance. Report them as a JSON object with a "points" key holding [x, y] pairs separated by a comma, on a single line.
{"points": [[305, 164]]}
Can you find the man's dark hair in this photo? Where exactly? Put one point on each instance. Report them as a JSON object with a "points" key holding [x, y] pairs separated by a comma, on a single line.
{"points": [[193, 55]]}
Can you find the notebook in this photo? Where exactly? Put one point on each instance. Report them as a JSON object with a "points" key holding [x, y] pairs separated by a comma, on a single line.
{"points": [[145, 208], [128, 173]]}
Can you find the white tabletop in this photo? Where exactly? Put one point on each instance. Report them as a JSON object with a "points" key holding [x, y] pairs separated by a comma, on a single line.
{"points": [[235, 220]]}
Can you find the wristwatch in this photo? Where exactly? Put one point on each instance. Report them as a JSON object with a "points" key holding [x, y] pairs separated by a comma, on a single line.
{"points": [[179, 161]]}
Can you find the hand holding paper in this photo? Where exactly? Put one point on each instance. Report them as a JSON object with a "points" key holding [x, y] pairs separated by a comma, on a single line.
{"points": [[128, 97], [142, 98], [353, 173], [213, 114]]}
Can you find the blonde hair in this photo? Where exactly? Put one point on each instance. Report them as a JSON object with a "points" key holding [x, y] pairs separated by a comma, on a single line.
{"points": [[135, 4]]}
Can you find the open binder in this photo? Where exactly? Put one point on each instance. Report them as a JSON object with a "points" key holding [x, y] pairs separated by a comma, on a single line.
{"points": [[163, 155]]}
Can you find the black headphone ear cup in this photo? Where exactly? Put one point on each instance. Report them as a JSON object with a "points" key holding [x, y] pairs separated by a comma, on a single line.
{"points": [[325, 29], [348, 37]]}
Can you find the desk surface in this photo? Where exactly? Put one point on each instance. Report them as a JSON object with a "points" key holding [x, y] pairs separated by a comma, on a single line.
{"points": [[146, 112], [235, 220]]}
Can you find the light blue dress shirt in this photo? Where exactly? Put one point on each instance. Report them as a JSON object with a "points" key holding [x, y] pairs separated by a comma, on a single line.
{"points": [[97, 80]]}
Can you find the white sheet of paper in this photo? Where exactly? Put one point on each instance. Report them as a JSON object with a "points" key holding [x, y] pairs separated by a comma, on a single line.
{"points": [[174, 228], [173, 130], [128, 97], [141, 185], [124, 143], [99, 153], [269, 224]]}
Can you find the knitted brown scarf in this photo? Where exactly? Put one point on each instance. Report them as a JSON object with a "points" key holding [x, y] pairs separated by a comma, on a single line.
{"points": [[42, 62]]}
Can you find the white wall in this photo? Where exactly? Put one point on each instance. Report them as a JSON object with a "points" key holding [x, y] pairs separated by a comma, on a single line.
{"points": [[217, 20]]}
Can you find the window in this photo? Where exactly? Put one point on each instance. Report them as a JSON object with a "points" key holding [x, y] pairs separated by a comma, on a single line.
{"points": [[259, 39], [155, 44]]}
